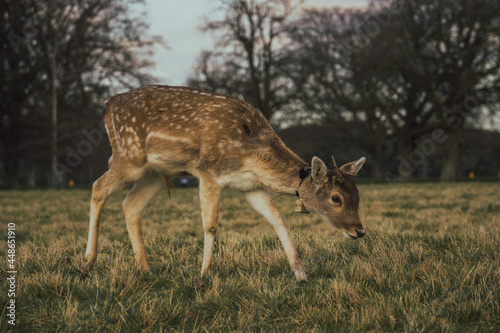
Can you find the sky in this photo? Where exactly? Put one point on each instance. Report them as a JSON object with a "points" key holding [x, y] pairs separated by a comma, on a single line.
{"points": [[178, 22]]}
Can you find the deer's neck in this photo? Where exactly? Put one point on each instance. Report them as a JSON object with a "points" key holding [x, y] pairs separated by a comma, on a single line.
{"points": [[280, 172], [288, 182]]}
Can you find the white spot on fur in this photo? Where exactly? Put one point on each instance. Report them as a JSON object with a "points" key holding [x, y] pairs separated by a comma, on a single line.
{"points": [[162, 136], [235, 143]]}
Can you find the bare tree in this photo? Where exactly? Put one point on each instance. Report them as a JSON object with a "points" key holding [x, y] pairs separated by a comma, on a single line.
{"points": [[449, 50], [332, 83], [69, 56], [428, 64], [249, 58]]}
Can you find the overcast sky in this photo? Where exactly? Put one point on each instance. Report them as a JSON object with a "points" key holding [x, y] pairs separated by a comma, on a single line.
{"points": [[178, 21]]}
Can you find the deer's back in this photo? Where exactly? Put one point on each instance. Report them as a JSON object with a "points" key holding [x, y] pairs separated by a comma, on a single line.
{"points": [[183, 129]]}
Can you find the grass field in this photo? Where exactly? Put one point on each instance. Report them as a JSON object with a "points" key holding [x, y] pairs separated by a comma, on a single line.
{"points": [[430, 262]]}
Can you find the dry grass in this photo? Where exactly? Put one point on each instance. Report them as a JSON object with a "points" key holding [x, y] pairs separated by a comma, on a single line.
{"points": [[429, 262]]}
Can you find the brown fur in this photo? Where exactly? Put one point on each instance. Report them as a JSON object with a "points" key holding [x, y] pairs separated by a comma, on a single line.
{"points": [[160, 131], [222, 131]]}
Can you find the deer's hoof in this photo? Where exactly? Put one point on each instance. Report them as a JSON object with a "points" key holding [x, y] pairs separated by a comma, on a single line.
{"points": [[302, 283], [85, 269], [84, 272]]}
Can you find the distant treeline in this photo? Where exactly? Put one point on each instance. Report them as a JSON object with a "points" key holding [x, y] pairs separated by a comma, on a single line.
{"points": [[411, 85], [384, 78], [480, 154]]}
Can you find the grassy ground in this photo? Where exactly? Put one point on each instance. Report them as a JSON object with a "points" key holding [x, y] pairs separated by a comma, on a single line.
{"points": [[430, 263]]}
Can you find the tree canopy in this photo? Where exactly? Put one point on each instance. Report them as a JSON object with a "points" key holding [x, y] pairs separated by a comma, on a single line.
{"points": [[60, 61], [386, 76]]}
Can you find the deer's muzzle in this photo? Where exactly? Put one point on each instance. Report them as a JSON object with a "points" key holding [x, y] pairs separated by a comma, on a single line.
{"points": [[358, 233]]}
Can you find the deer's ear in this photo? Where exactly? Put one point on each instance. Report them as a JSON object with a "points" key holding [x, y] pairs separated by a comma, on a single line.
{"points": [[353, 167], [318, 171]]}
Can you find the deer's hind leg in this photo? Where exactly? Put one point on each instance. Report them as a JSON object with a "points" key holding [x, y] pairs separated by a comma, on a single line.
{"points": [[110, 182], [209, 199], [134, 204]]}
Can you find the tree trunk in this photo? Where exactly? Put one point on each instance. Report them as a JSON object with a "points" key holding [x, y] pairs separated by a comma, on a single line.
{"points": [[53, 113], [377, 169], [32, 176], [451, 156], [408, 160], [10, 170], [378, 163], [425, 168]]}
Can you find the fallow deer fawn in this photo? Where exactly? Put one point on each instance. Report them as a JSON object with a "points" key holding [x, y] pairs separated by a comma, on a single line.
{"points": [[160, 131]]}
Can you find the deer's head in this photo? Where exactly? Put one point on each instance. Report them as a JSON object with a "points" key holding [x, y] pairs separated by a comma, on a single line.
{"points": [[334, 196]]}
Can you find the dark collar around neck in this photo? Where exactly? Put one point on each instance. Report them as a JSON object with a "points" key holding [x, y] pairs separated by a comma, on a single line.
{"points": [[303, 173]]}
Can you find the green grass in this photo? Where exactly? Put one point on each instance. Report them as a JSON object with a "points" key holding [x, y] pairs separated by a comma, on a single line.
{"points": [[429, 263]]}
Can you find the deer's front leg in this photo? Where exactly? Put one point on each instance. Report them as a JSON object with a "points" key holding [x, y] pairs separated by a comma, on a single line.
{"points": [[261, 202], [209, 200]]}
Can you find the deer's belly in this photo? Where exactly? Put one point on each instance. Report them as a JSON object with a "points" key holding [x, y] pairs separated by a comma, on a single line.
{"points": [[241, 180]]}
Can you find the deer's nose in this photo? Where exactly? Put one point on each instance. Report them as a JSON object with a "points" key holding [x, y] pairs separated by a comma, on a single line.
{"points": [[360, 232]]}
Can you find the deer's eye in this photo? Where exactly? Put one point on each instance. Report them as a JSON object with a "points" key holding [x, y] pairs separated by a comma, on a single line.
{"points": [[336, 200]]}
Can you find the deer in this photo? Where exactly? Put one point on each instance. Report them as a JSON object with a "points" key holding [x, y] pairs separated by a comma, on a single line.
{"points": [[159, 132]]}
